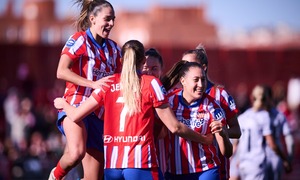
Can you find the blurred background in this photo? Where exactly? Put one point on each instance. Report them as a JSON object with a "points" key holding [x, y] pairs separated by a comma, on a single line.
{"points": [[247, 43]]}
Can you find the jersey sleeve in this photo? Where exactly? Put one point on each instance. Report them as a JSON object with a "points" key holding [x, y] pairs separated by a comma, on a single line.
{"points": [[74, 46], [217, 113], [227, 103], [99, 94], [158, 93]]}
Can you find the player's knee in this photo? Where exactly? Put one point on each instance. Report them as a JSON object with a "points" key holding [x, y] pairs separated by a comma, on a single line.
{"points": [[77, 154]]}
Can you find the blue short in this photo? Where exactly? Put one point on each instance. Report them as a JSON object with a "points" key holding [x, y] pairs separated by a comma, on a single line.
{"points": [[94, 128], [133, 174], [211, 174]]}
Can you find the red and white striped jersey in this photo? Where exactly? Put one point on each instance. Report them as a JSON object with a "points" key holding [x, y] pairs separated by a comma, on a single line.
{"points": [[91, 61], [128, 140], [226, 102], [187, 156]]}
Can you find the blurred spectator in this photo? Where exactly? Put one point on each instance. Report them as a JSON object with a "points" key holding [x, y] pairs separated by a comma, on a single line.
{"points": [[279, 92], [26, 80], [19, 117], [242, 97], [287, 101], [293, 93], [293, 100], [4, 163], [31, 145]]}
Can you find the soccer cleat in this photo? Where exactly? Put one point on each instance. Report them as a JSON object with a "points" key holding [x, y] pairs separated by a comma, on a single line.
{"points": [[51, 176]]}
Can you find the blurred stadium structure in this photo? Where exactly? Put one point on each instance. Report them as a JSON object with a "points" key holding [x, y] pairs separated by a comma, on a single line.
{"points": [[257, 56]]}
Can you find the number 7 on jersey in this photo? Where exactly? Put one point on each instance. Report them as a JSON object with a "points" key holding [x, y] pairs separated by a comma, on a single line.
{"points": [[122, 114]]}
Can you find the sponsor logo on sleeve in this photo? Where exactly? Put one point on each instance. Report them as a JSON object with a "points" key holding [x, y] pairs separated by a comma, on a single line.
{"points": [[218, 114], [70, 42], [163, 90], [231, 102]]}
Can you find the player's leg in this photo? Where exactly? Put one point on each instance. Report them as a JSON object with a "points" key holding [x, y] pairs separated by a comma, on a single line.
{"points": [[93, 162], [75, 147]]}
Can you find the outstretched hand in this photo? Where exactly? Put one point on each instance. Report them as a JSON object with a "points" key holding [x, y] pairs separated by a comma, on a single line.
{"points": [[59, 103], [99, 84]]}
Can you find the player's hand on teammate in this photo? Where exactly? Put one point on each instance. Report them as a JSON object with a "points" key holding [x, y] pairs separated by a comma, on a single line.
{"points": [[217, 127], [59, 103], [99, 84]]}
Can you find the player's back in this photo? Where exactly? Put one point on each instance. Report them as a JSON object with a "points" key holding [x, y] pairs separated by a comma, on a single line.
{"points": [[128, 140], [254, 126]]}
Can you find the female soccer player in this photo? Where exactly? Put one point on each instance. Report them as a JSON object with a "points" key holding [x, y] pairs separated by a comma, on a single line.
{"points": [[198, 111], [223, 98], [86, 59], [154, 63]]}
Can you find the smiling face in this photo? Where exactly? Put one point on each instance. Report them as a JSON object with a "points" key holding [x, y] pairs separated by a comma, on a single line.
{"points": [[194, 84], [152, 67], [102, 22]]}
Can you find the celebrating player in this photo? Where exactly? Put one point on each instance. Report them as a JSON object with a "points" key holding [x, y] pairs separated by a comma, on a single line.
{"points": [[198, 111], [87, 57], [223, 98]]}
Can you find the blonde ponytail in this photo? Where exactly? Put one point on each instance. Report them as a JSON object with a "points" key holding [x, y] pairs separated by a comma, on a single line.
{"points": [[133, 57]]}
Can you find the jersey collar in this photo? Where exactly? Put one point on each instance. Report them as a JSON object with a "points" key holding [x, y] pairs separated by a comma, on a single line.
{"points": [[89, 34], [194, 104]]}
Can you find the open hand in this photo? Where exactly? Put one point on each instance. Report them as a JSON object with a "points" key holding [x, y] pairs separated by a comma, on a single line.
{"points": [[99, 84]]}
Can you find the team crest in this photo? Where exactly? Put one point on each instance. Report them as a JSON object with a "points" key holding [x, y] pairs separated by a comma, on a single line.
{"points": [[200, 115]]}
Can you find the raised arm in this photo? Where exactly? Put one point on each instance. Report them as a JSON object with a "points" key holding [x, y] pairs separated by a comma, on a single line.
{"points": [[167, 116], [65, 73]]}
